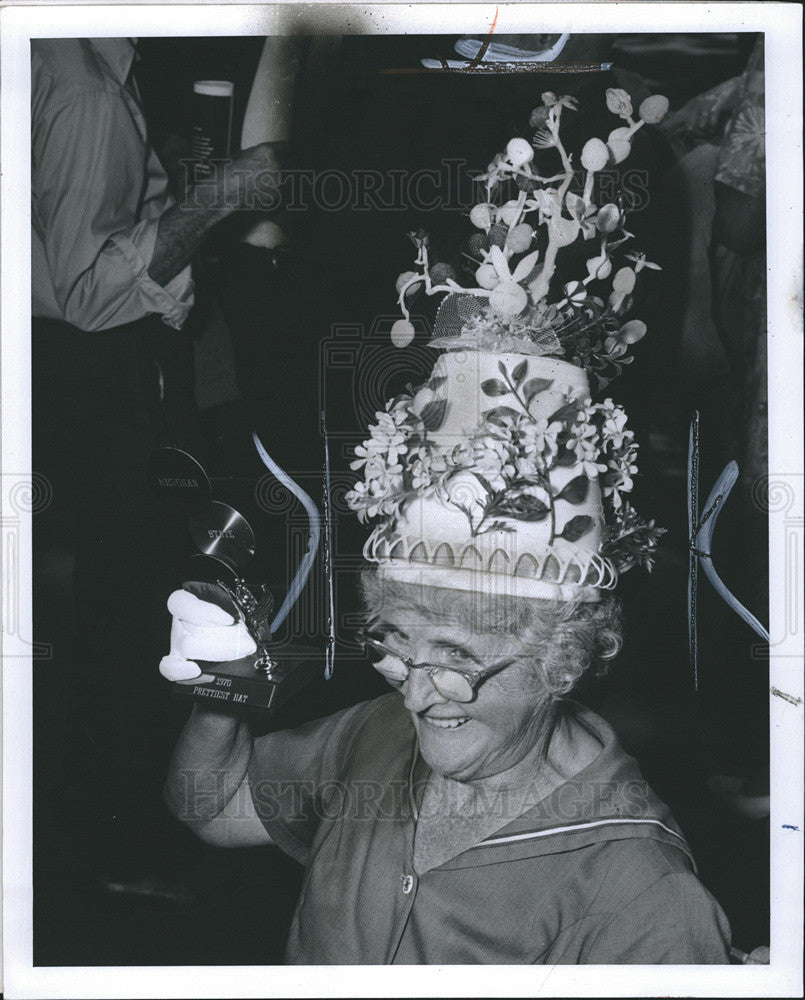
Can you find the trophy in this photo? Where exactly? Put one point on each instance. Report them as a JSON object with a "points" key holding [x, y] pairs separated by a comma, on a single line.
{"points": [[223, 571]]}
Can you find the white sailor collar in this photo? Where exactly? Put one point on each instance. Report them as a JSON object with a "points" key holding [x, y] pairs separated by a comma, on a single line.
{"points": [[609, 800]]}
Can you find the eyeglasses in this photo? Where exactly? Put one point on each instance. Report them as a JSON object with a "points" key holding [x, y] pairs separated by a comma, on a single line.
{"points": [[456, 685]]}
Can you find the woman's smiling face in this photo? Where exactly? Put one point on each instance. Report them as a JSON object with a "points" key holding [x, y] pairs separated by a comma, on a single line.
{"points": [[470, 740]]}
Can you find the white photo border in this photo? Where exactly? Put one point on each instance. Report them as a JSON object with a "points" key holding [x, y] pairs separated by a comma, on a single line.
{"points": [[782, 24]]}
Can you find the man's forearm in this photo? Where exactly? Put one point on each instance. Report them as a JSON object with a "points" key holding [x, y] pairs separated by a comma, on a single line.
{"points": [[179, 235], [208, 766], [248, 182]]}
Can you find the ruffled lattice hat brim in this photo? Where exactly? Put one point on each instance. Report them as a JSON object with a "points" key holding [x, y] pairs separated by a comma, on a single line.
{"points": [[491, 584]]}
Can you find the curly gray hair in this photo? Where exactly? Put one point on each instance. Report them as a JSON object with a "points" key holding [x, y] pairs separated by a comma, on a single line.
{"points": [[562, 640]]}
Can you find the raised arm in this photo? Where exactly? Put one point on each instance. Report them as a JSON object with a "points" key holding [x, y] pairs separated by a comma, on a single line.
{"points": [[249, 182], [233, 790], [207, 786]]}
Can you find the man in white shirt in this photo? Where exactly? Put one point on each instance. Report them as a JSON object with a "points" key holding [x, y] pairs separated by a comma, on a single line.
{"points": [[112, 380]]}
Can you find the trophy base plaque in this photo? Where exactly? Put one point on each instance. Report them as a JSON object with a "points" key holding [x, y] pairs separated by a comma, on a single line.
{"points": [[225, 690]]}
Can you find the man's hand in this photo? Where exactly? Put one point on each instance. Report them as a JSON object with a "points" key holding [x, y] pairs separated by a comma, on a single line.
{"points": [[202, 630]]}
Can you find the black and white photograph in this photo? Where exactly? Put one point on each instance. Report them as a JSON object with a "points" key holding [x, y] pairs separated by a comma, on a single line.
{"points": [[402, 500]]}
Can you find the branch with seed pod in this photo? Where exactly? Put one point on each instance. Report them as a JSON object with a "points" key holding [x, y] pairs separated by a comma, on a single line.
{"points": [[509, 235]]}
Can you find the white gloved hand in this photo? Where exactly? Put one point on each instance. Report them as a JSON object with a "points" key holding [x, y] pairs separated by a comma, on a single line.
{"points": [[201, 630]]}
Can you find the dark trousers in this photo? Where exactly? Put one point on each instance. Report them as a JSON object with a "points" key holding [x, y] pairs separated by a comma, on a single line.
{"points": [[96, 418]]}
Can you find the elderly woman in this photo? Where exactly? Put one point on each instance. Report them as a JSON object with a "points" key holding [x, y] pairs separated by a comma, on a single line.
{"points": [[474, 814]]}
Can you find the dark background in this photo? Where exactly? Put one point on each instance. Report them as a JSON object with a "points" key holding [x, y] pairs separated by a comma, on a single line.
{"points": [[338, 283]]}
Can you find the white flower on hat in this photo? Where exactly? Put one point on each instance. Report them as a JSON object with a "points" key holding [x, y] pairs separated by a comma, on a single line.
{"points": [[616, 432], [583, 441], [378, 496], [583, 212], [639, 260], [425, 465], [547, 203], [539, 443], [550, 100], [619, 102], [618, 480], [494, 459]]}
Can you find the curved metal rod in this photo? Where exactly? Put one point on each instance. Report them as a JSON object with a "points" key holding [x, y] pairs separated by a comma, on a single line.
{"points": [[306, 563], [693, 559], [703, 542], [328, 556]]}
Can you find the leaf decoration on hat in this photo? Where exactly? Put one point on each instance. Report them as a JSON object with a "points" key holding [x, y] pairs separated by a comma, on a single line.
{"points": [[494, 387], [566, 412], [522, 508], [433, 414], [630, 540], [534, 386], [496, 526], [525, 267], [485, 484], [565, 459], [519, 372], [576, 490], [498, 414], [576, 527]]}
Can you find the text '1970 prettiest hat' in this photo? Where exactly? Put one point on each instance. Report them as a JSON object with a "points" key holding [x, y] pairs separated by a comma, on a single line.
{"points": [[500, 474]]}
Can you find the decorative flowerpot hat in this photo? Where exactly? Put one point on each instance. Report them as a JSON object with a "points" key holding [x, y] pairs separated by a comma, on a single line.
{"points": [[500, 475]]}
